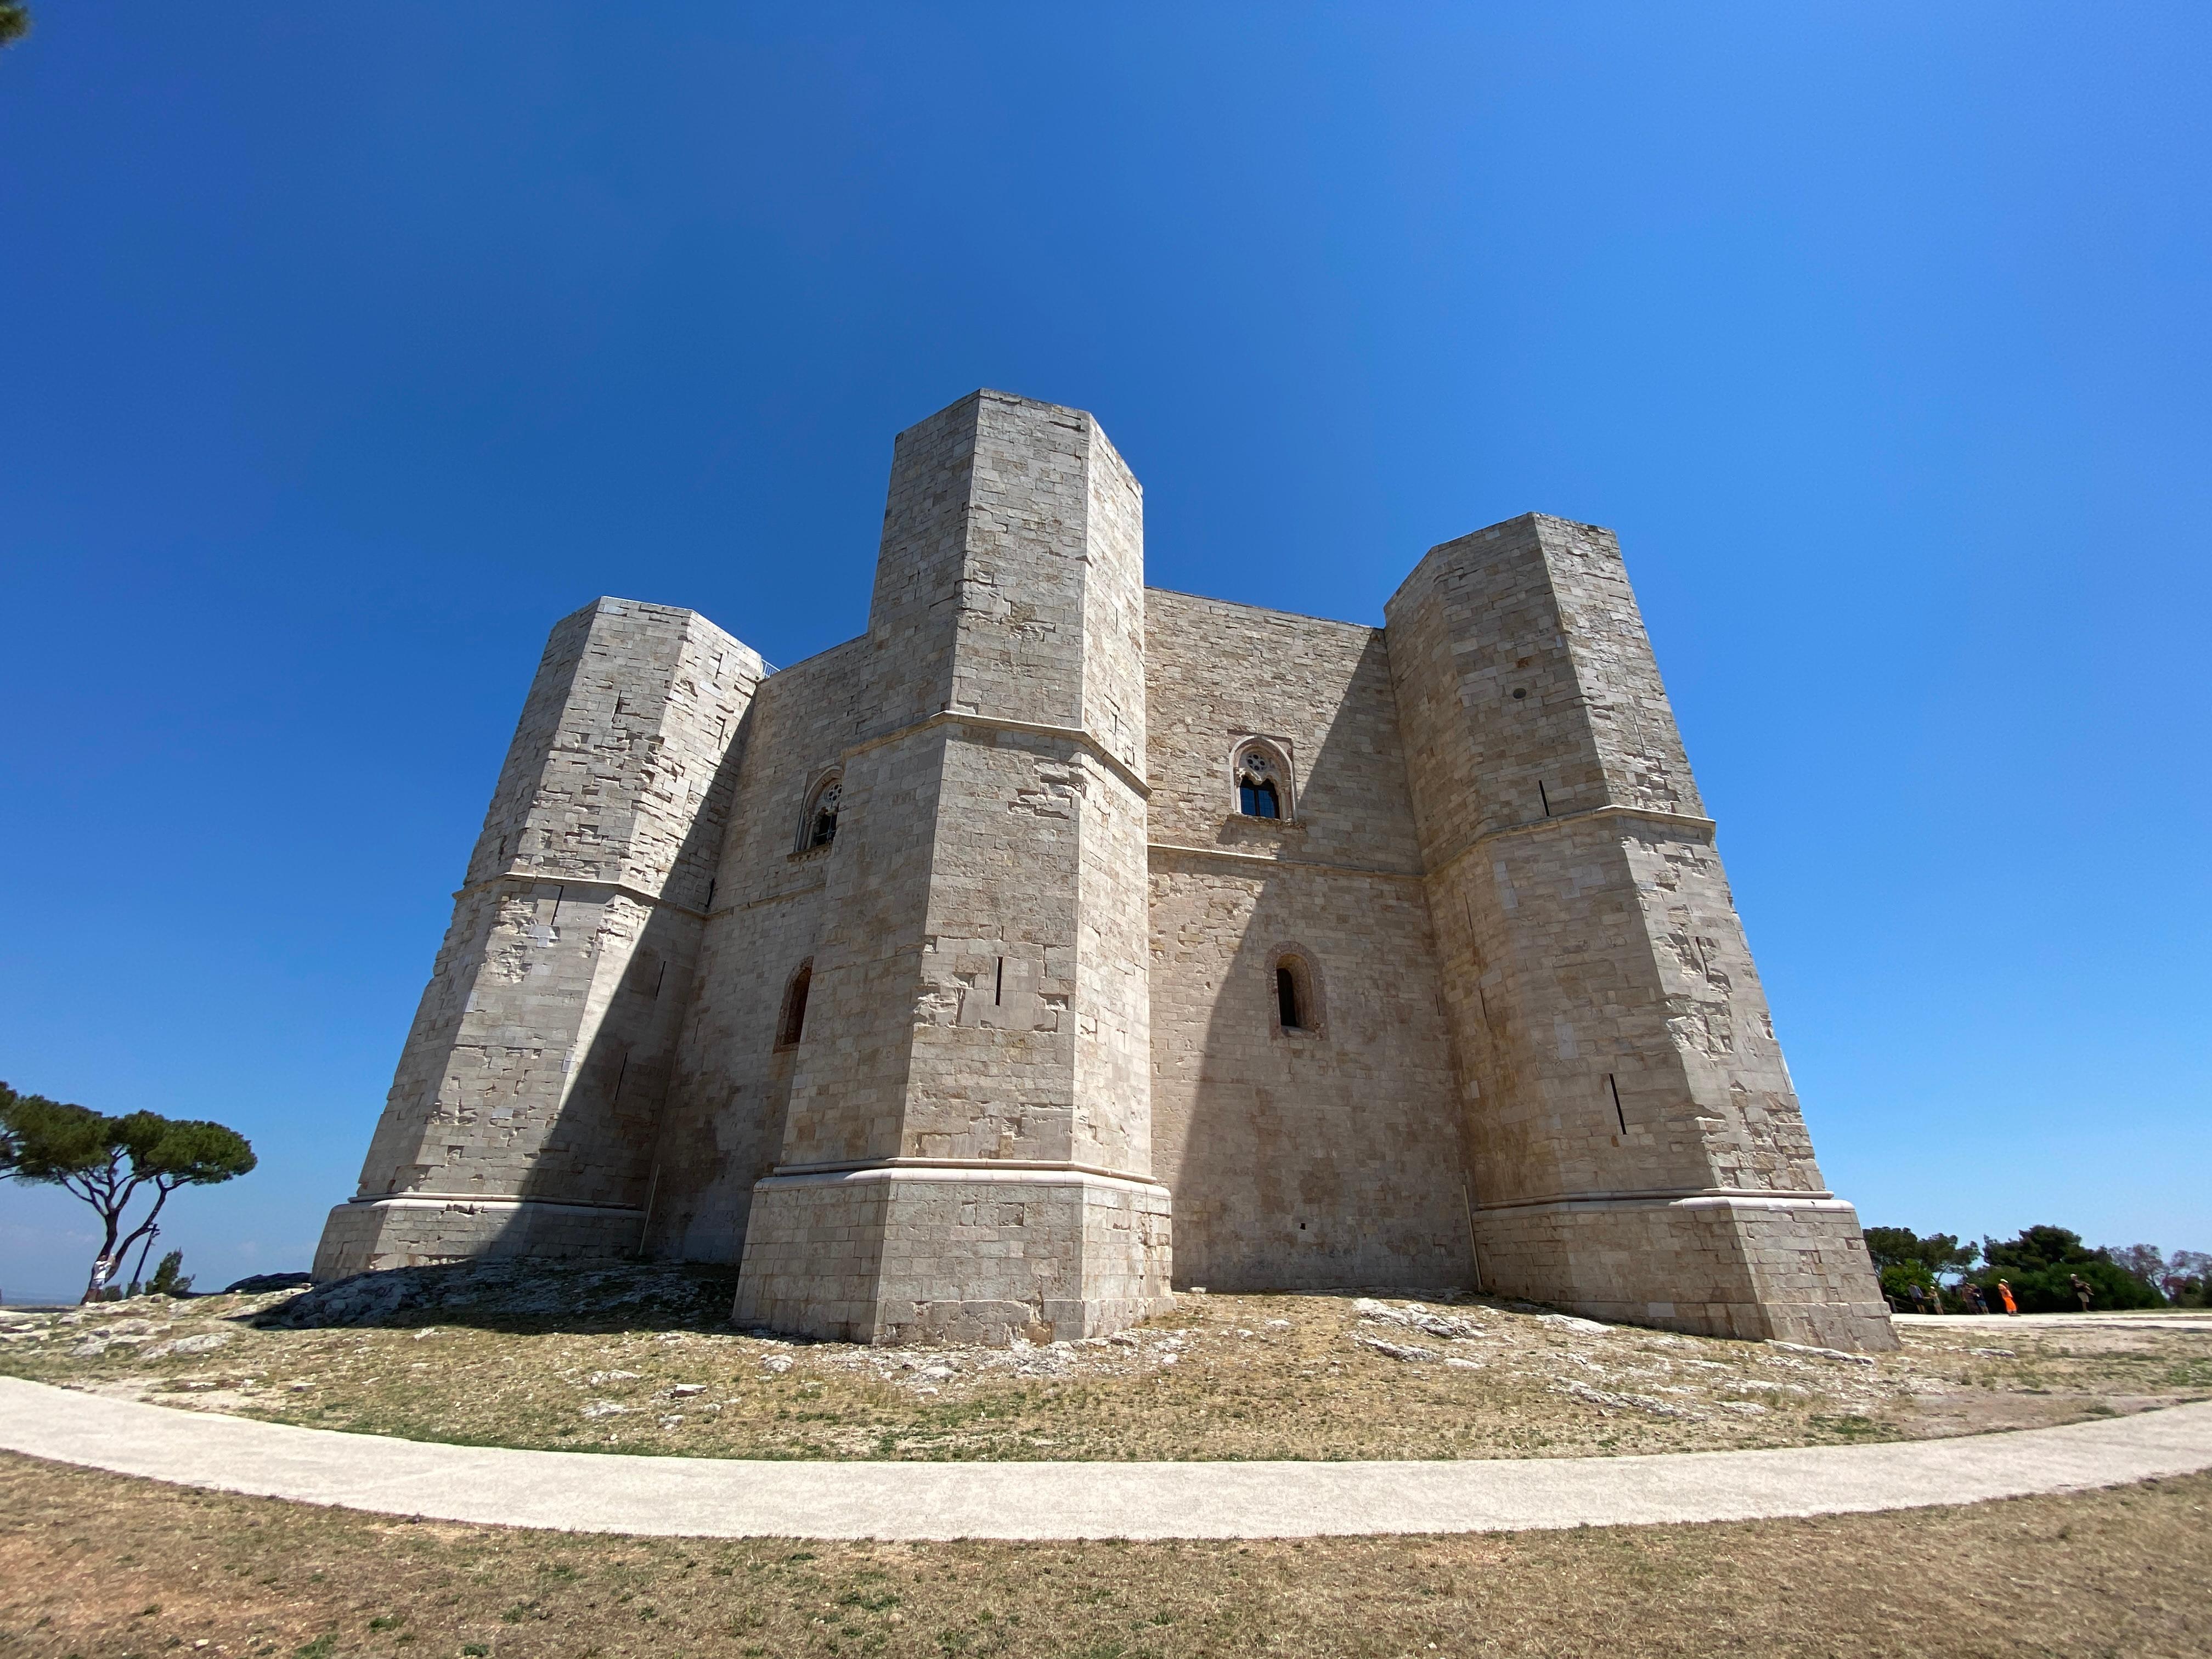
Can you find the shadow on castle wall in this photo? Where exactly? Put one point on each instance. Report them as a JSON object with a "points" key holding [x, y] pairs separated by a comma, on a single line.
{"points": [[609, 1144], [1328, 1156]]}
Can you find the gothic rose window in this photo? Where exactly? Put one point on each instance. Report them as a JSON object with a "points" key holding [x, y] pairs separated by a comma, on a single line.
{"points": [[1259, 785], [821, 815]]}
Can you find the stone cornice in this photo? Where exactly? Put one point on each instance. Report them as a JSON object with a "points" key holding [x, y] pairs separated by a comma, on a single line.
{"points": [[1663, 1195], [964, 1165], [1080, 736], [1610, 810], [628, 890], [1177, 849]]}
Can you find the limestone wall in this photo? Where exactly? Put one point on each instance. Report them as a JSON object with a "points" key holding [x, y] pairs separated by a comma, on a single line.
{"points": [[723, 1127], [974, 1255], [1528, 686], [539, 1056], [980, 971], [1634, 1144], [1298, 1158]]}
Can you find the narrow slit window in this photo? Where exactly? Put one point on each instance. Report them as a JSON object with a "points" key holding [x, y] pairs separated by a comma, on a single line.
{"points": [[1287, 999], [793, 1023]]}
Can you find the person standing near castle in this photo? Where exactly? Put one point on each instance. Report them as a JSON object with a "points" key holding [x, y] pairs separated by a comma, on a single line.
{"points": [[2004, 1295], [2081, 1290]]}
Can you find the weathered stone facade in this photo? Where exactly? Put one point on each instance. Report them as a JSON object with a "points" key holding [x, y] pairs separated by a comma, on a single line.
{"points": [[1060, 940]]}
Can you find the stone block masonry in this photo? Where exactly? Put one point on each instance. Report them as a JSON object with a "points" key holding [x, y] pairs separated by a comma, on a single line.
{"points": [[982, 1090], [1634, 1145], [950, 983], [522, 1121]]}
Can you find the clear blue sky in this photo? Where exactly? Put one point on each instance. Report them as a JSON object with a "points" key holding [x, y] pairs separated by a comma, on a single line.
{"points": [[349, 347]]}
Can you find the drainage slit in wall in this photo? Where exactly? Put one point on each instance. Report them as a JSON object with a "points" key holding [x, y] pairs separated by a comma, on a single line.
{"points": [[1617, 1112]]}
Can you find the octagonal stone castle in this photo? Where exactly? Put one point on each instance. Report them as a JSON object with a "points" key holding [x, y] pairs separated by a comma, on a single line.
{"points": [[1061, 940]]}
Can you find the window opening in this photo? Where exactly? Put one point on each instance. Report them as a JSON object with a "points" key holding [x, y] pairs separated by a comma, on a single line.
{"points": [[1258, 795], [794, 1007], [1286, 998], [821, 823]]}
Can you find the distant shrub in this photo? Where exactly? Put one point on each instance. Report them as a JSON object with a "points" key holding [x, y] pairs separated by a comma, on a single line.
{"points": [[2041, 1265], [169, 1280]]}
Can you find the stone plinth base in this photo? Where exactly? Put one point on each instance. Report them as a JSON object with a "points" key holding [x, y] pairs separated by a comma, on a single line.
{"points": [[1785, 1266], [919, 1252], [369, 1235]]}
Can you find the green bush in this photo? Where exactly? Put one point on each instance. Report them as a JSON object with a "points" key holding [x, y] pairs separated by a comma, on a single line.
{"points": [[2040, 1266], [2051, 1290]]}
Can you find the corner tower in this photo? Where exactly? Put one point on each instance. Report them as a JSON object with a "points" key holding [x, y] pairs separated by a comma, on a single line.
{"points": [[521, 1118], [967, 1150], [1635, 1142]]}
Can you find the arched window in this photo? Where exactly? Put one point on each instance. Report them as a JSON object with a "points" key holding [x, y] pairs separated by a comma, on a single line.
{"points": [[1298, 994], [819, 826], [791, 1025], [1262, 783]]}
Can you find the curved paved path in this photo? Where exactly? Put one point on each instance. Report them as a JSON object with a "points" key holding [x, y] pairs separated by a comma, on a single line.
{"points": [[697, 1497]]}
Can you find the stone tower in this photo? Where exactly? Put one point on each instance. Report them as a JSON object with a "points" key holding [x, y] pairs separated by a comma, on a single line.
{"points": [[971, 1157], [521, 1118], [1633, 1139]]}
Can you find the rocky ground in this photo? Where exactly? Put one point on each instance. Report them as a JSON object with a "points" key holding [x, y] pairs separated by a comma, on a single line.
{"points": [[640, 1358]]}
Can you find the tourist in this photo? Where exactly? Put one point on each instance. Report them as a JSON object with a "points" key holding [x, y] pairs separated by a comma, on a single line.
{"points": [[1971, 1294], [2081, 1290], [2004, 1295]]}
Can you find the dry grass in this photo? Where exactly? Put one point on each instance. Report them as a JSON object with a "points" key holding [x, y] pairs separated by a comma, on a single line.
{"points": [[103, 1567], [1242, 1378]]}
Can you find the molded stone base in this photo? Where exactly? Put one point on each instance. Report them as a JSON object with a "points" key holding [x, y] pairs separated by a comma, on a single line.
{"points": [[369, 1235], [915, 1253], [1786, 1266]]}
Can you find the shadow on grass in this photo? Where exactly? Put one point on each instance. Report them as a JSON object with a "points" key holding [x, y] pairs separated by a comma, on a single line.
{"points": [[518, 1298], [530, 1297]]}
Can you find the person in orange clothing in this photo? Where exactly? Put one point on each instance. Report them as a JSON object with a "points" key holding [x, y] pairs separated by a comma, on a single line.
{"points": [[2004, 1295]]}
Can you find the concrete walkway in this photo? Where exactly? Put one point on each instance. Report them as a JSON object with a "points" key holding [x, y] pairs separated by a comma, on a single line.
{"points": [[2149, 1319], [694, 1497]]}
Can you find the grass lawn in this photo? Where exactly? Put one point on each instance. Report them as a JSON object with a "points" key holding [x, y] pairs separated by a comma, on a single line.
{"points": [[103, 1567], [640, 1360]]}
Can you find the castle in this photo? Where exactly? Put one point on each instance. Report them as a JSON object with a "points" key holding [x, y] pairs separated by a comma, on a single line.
{"points": [[1060, 940]]}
